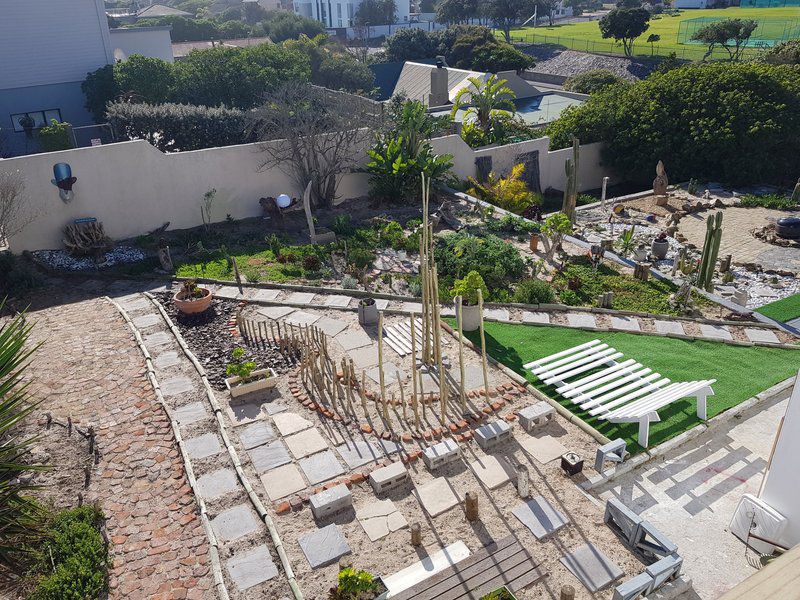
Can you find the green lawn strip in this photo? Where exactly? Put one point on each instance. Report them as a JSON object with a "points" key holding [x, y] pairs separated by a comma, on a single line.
{"points": [[782, 310], [741, 372]]}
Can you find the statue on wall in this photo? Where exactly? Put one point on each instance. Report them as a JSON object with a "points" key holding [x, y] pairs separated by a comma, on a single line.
{"points": [[63, 180]]}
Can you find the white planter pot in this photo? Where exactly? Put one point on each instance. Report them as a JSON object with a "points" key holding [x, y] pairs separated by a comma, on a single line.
{"points": [[255, 383], [470, 317]]}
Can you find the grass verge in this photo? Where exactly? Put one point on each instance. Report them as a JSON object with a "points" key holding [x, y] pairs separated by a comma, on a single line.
{"points": [[782, 310]]}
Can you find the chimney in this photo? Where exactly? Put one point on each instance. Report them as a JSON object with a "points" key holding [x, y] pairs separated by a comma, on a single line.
{"points": [[439, 95]]}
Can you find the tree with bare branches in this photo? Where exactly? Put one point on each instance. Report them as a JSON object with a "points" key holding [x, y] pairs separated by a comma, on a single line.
{"points": [[315, 134], [15, 209]]}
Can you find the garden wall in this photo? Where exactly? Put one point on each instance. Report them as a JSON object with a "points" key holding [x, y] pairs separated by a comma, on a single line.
{"points": [[134, 188]]}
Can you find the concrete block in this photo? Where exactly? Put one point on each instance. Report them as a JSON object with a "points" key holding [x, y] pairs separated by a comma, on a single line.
{"points": [[330, 501], [440, 454], [388, 477], [593, 568], [633, 588], [324, 546], [491, 434], [614, 451], [623, 520], [663, 570], [536, 415], [652, 542]]}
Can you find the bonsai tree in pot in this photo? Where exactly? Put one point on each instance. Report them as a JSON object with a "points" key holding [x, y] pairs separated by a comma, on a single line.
{"points": [[192, 299], [468, 288], [243, 377]]}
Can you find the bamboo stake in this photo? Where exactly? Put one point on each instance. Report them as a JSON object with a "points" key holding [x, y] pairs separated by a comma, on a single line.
{"points": [[380, 355], [414, 400], [459, 308], [362, 393], [402, 398], [483, 348]]}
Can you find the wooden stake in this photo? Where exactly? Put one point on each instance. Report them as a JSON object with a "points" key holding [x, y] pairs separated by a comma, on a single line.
{"points": [[380, 356], [362, 393], [402, 398], [414, 399], [459, 308], [483, 348]]}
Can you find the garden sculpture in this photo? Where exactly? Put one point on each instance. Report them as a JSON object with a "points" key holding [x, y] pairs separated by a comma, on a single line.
{"points": [[660, 184]]}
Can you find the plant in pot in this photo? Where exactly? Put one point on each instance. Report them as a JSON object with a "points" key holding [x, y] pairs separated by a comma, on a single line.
{"points": [[536, 230], [660, 246], [468, 288], [356, 584], [367, 311], [192, 299], [243, 377]]}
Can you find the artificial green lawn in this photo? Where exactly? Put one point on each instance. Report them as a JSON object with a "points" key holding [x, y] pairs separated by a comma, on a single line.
{"points": [[581, 36], [741, 372], [782, 310]]}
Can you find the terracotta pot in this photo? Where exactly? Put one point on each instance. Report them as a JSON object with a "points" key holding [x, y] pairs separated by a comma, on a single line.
{"points": [[470, 317], [193, 306], [534, 242]]}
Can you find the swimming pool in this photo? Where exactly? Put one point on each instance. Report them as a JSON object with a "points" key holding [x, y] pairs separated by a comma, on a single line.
{"points": [[536, 110]]}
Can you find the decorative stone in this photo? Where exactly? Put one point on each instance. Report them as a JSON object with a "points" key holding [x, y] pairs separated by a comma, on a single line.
{"points": [[761, 335], [216, 484], [444, 452], [251, 567], [190, 413], [306, 443], [491, 434], [365, 357], [625, 323], [593, 568], [176, 386], [379, 518], [324, 546], [203, 446], [155, 340], [719, 332], [269, 456], [265, 295], [330, 501], [492, 471], [437, 496], [321, 467], [543, 449], [388, 477], [358, 452], [538, 515], [275, 312], [234, 523], [146, 321], [283, 481], [255, 434], [536, 415], [168, 359], [289, 423]]}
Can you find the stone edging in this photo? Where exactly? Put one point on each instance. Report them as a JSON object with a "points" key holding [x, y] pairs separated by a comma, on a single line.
{"points": [[234, 456], [216, 567]]}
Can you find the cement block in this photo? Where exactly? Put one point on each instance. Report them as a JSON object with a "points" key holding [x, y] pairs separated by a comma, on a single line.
{"points": [[538, 515], [625, 323], [275, 312], [330, 327], [265, 295], [663, 570], [717, 332], [324, 546], [581, 319], [358, 452], [388, 477], [289, 423], [251, 567], [146, 321], [623, 519], [167, 359], [492, 471], [634, 588], [544, 449], [669, 327], [536, 415], [321, 467], [761, 335], [593, 568], [157, 340], [175, 386], [352, 339], [437, 496], [300, 298], [338, 301], [235, 523], [491, 434], [532, 317], [330, 501], [440, 454]]}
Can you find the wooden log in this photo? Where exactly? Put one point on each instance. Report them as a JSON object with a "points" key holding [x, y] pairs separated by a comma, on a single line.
{"points": [[416, 534], [471, 506], [363, 394]]}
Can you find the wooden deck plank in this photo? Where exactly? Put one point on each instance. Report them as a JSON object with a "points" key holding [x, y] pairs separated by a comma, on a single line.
{"points": [[495, 574], [515, 579]]}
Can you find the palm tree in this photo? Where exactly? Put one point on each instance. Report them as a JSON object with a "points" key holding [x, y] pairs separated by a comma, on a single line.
{"points": [[484, 100], [20, 514]]}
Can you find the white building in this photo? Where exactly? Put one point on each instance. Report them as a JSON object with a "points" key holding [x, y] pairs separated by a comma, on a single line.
{"points": [[341, 13]]}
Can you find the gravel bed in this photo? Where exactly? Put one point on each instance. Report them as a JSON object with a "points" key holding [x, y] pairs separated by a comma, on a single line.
{"points": [[63, 261], [570, 63]]}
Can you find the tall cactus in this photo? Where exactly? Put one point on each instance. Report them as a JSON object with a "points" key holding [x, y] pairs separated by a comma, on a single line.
{"points": [[708, 260], [571, 184]]}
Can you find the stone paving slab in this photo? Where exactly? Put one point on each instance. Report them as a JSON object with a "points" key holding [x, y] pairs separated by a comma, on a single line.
{"points": [[299, 298], [269, 456], [338, 301], [321, 467], [390, 447], [761, 335], [273, 408], [230, 291], [255, 434], [540, 517], [146, 321], [136, 303], [289, 423], [233, 523], [190, 413], [265, 295], [497, 314], [358, 452], [157, 339], [217, 483], [324, 546], [543, 449], [381, 303], [409, 307], [794, 323], [175, 386], [437, 496], [167, 359], [203, 446], [379, 518], [535, 317], [275, 312], [352, 339], [593, 568], [330, 327], [251, 567], [305, 443], [718, 332], [448, 311], [283, 481], [301, 318], [390, 374], [669, 327], [492, 471], [243, 413], [364, 358], [581, 319], [625, 323]]}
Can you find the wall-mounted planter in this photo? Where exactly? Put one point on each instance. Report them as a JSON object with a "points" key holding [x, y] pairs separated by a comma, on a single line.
{"points": [[262, 379]]}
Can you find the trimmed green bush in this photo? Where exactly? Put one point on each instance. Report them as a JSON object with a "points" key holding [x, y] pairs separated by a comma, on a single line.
{"points": [[591, 82], [534, 291], [497, 262]]}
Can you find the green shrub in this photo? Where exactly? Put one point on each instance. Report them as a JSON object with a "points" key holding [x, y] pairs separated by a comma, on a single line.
{"points": [[360, 258], [590, 82], [776, 201], [497, 262], [392, 234], [513, 225], [785, 53], [534, 291], [468, 288], [342, 225], [55, 137], [312, 263], [17, 275]]}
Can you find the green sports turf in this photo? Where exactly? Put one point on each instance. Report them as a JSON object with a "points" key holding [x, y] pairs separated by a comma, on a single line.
{"points": [[782, 310], [741, 372], [586, 35]]}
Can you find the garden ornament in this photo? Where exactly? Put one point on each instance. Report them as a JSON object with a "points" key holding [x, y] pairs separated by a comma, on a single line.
{"points": [[63, 180]]}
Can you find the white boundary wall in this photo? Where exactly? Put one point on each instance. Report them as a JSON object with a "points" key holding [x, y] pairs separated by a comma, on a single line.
{"points": [[134, 188]]}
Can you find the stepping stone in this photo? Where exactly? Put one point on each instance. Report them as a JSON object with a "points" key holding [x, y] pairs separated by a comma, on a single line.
{"points": [[269, 456], [409, 307], [625, 323], [299, 298], [190, 413], [390, 447], [251, 567], [176, 385], [593, 568], [437, 496], [301, 318], [338, 301], [160, 338], [306, 443], [273, 408], [535, 317], [324, 546], [289, 423], [761, 335], [492, 471], [137, 303], [229, 291], [146, 321], [352, 339], [794, 323], [275, 312], [358, 452], [381, 303], [669, 327], [321, 467], [265, 295], [330, 327], [247, 412], [256, 434], [390, 374], [166, 360], [540, 517], [203, 446], [581, 320], [448, 311], [496, 314], [234, 523], [217, 483], [543, 449], [364, 358], [283, 481], [379, 518], [717, 332]]}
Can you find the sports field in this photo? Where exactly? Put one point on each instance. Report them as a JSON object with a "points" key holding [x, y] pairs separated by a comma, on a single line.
{"points": [[586, 36]]}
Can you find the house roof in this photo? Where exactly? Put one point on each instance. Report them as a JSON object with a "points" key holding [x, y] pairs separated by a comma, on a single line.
{"points": [[414, 79], [159, 10], [181, 49]]}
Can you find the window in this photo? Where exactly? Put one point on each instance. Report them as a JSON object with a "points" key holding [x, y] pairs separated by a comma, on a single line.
{"points": [[40, 118], [339, 13]]}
